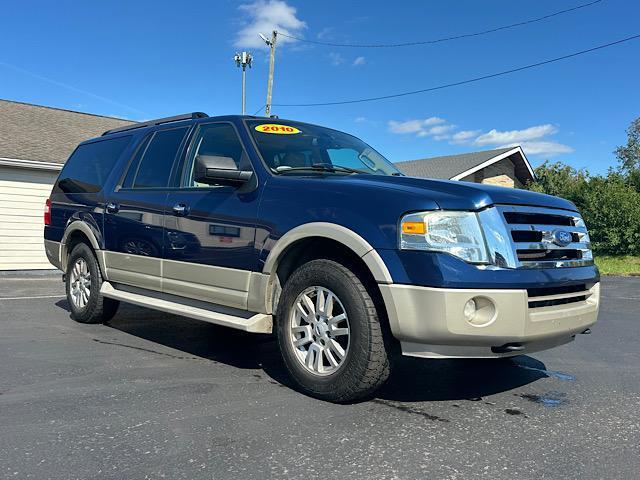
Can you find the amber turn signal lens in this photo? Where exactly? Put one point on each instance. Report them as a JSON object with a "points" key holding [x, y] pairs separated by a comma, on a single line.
{"points": [[415, 228]]}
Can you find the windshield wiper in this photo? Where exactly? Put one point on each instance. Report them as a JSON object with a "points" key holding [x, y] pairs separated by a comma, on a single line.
{"points": [[319, 167]]}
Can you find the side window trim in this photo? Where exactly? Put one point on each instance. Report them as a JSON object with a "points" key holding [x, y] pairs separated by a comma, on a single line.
{"points": [[146, 144], [184, 179]]}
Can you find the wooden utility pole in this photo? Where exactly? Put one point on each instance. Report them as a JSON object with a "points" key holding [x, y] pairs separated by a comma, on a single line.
{"points": [[272, 61]]}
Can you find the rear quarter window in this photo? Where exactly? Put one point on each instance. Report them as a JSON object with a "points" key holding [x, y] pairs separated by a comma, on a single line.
{"points": [[89, 166], [152, 163]]}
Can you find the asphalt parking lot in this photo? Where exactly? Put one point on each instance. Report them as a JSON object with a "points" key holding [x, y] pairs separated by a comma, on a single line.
{"points": [[152, 395]]}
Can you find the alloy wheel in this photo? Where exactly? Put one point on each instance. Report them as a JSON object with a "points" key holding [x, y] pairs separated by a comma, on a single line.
{"points": [[319, 331], [80, 283]]}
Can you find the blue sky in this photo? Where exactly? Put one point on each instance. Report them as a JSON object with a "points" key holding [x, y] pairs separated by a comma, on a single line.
{"points": [[147, 59]]}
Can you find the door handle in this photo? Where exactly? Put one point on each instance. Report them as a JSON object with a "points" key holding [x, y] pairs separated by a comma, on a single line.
{"points": [[112, 207], [180, 210]]}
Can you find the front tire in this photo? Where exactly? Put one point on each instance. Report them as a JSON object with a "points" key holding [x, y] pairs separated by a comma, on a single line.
{"points": [[83, 282], [329, 333]]}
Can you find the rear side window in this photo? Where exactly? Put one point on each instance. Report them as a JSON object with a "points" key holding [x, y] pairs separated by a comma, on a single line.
{"points": [[151, 166], [87, 169]]}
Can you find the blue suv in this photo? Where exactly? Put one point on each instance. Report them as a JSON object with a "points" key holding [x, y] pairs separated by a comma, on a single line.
{"points": [[264, 225]]}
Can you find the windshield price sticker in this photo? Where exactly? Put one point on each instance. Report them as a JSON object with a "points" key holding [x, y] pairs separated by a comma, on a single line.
{"points": [[277, 129]]}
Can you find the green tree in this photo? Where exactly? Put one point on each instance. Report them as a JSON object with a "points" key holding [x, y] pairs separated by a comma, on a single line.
{"points": [[611, 210], [629, 155], [561, 180]]}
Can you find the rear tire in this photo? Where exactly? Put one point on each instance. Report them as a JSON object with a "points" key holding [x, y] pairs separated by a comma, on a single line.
{"points": [[83, 283], [333, 348]]}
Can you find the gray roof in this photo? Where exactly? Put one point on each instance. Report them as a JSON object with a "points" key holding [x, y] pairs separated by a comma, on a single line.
{"points": [[449, 166], [46, 134]]}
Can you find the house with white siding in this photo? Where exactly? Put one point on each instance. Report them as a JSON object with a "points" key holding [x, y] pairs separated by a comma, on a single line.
{"points": [[35, 141]]}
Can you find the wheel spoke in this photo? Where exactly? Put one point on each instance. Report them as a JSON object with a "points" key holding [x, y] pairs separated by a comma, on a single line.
{"points": [[328, 305], [318, 363], [336, 332], [332, 360], [301, 311], [337, 348], [307, 335], [313, 357], [337, 319], [310, 306], [319, 301]]}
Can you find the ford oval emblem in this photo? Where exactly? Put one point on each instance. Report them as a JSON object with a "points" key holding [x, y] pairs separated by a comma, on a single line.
{"points": [[562, 238]]}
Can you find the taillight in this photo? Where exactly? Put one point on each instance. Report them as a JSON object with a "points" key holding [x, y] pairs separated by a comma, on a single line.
{"points": [[47, 212]]}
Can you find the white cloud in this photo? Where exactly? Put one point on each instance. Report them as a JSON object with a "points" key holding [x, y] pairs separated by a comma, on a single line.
{"points": [[542, 147], [440, 129], [419, 127], [464, 136], [359, 61], [264, 17], [494, 137], [336, 59], [366, 121], [533, 140]]}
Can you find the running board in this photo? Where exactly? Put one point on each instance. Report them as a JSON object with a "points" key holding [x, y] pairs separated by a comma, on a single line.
{"points": [[258, 323]]}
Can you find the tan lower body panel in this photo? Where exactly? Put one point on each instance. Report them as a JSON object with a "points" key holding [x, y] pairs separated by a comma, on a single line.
{"points": [[430, 322], [136, 270], [223, 286], [53, 251]]}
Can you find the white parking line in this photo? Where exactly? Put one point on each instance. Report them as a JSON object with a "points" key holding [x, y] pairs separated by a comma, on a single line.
{"points": [[33, 297]]}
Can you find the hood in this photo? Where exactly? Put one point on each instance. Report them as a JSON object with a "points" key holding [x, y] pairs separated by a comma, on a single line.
{"points": [[457, 195]]}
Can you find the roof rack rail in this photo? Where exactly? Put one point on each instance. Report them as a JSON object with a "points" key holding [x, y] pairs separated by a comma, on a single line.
{"points": [[157, 121]]}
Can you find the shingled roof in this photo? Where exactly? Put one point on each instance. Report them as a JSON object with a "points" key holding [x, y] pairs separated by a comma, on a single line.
{"points": [[454, 167], [46, 134]]}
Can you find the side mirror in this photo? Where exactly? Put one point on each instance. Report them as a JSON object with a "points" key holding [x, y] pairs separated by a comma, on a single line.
{"points": [[215, 170]]}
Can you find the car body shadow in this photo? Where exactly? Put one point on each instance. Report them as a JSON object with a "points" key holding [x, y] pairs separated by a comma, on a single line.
{"points": [[413, 379], [416, 379]]}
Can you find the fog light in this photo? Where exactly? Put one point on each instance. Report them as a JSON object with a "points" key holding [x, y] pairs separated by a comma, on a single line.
{"points": [[479, 312], [469, 310]]}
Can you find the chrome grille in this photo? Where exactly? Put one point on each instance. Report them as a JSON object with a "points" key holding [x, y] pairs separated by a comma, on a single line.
{"points": [[533, 237]]}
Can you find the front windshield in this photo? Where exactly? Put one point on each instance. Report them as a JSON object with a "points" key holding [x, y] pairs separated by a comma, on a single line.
{"points": [[291, 147]]}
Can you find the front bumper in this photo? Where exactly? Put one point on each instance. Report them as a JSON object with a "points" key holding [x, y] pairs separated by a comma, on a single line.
{"points": [[429, 322]]}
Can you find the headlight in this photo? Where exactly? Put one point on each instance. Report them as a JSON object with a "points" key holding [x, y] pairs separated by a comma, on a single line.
{"points": [[457, 233]]}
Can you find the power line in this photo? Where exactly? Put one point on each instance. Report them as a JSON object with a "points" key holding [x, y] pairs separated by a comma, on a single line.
{"points": [[462, 82], [259, 110], [440, 40]]}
